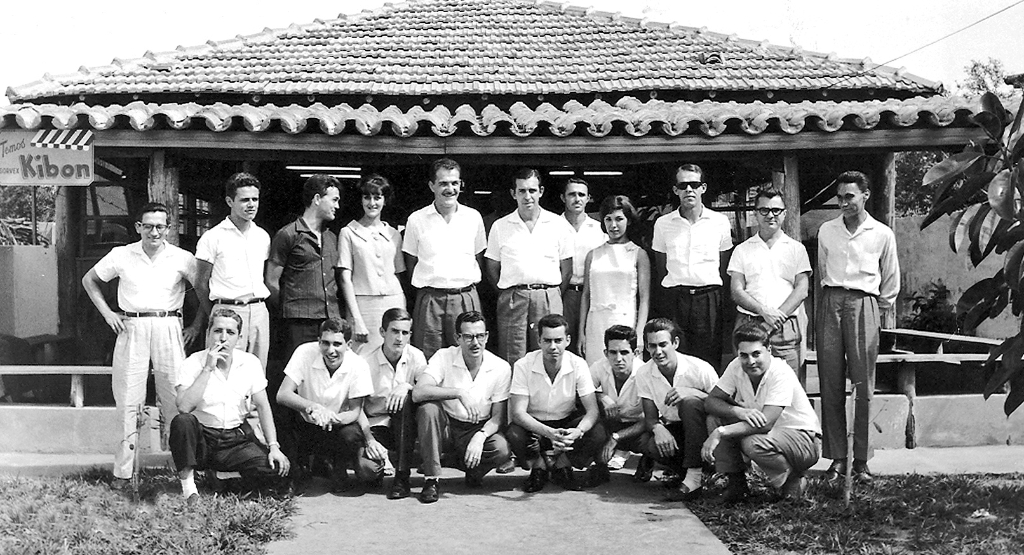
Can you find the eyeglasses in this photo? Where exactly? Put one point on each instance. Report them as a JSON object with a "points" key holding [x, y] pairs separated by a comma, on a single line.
{"points": [[470, 337], [684, 185], [150, 227], [773, 211]]}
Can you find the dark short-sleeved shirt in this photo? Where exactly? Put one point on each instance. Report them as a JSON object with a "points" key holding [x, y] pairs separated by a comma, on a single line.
{"points": [[308, 289]]}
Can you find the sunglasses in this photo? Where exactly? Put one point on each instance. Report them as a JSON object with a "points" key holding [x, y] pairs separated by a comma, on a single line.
{"points": [[683, 185]]}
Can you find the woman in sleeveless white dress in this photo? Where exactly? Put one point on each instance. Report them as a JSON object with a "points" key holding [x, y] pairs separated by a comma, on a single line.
{"points": [[616, 287]]}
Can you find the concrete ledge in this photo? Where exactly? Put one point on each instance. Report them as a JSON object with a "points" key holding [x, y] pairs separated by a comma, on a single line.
{"points": [[966, 420], [49, 429], [39, 464], [889, 415]]}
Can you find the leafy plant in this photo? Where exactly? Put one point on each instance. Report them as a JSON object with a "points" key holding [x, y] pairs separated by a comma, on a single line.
{"points": [[982, 225], [932, 310]]}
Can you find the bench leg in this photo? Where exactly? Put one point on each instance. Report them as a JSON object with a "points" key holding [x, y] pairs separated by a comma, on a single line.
{"points": [[77, 390], [907, 381]]}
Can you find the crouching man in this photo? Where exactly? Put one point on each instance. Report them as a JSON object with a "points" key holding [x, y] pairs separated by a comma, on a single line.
{"points": [[326, 385], [463, 394], [672, 387], [215, 388], [621, 410], [549, 432], [766, 417]]}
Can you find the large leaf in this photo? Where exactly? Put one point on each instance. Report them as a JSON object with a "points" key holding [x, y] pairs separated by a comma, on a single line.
{"points": [[1017, 303], [982, 225], [1016, 396], [1017, 180], [947, 206], [960, 226], [1016, 123], [1013, 235], [999, 305], [940, 176], [990, 123], [1001, 195], [1011, 265], [990, 103], [974, 305], [1001, 227], [1011, 350]]}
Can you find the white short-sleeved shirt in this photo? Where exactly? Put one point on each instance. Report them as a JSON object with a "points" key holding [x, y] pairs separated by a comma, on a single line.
{"points": [[148, 284], [309, 371], [385, 377], [491, 385], [237, 259], [530, 257], [374, 255], [690, 372], [226, 400], [551, 400], [445, 251], [769, 272], [692, 251], [588, 237], [864, 260], [628, 398], [779, 387]]}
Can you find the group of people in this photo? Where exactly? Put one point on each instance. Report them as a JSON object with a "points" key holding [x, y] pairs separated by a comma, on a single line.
{"points": [[566, 386]]}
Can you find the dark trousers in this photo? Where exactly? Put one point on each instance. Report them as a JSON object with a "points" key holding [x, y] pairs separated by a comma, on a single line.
{"points": [[700, 320], [529, 446], [399, 436], [571, 300], [635, 444], [342, 444], [690, 432], [439, 434], [434, 315], [236, 450]]}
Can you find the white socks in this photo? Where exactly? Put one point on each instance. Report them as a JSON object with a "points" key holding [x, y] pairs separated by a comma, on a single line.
{"points": [[692, 481], [188, 486]]}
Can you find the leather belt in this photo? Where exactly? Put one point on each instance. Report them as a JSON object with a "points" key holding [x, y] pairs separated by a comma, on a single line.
{"points": [[575, 287], [452, 291], [233, 302], [155, 314], [696, 290], [533, 286]]}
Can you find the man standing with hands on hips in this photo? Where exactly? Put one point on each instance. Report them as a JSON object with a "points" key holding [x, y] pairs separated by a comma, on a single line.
{"points": [[151, 291], [860, 276]]}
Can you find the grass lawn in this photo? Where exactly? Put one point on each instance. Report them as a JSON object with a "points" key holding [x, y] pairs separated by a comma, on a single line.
{"points": [[896, 514], [80, 514]]}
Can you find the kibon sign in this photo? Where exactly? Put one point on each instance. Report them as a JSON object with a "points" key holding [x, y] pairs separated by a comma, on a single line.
{"points": [[46, 157]]}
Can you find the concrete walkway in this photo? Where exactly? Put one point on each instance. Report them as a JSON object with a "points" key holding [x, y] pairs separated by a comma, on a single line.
{"points": [[499, 518]]}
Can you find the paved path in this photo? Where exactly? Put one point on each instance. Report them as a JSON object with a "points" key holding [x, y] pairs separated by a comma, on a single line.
{"points": [[500, 519]]}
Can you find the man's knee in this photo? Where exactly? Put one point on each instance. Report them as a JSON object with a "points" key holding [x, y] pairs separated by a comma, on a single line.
{"points": [[691, 407], [430, 411], [183, 423], [499, 448]]}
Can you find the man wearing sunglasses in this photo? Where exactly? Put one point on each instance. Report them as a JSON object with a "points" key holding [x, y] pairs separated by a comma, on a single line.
{"points": [[770, 272], [151, 290], [688, 245], [463, 396]]}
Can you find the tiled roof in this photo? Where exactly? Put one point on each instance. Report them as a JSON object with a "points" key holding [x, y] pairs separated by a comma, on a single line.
{"points": [[628, 116], [499, 47]]}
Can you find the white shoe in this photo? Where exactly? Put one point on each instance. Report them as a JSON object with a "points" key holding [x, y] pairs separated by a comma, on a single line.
{"points": [[618, 459]]}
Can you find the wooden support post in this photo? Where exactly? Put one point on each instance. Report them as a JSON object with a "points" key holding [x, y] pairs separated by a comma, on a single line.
{"points": [[163, 188], [67, 233], [885, 209], [791, 196]]}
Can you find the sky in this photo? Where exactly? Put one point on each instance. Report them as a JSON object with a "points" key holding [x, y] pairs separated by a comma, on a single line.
{"points": [[73, 33]]}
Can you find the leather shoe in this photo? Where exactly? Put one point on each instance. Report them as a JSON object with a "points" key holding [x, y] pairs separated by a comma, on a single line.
{"points": [[566, 478], [684, 494], [120, 484], [736, 490], [399, 488], [597, 475], [537, 480], [861, 473], [429, 493], [506, 467], [644, 470], [474, 479], [836, 470]]}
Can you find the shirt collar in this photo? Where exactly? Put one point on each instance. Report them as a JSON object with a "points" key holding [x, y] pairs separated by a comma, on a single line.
{"points": [[432, 209], [783, 238], [538, 365], [301, 227], [545, 216]]}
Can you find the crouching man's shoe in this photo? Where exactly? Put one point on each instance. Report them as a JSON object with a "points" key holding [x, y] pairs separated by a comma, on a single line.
{"points": [[537, 480], [597, 475], [566, 478], [399, 486], [836, 470], [429, 493], [736, 490]]}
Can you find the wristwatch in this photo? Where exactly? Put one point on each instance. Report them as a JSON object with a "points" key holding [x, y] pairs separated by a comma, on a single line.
{"points": [[615, 437]]}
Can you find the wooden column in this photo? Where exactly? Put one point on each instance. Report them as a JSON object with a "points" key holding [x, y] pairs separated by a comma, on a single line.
{"points": [[67, 232], [163, 188], [884, 193], [791, 195]]}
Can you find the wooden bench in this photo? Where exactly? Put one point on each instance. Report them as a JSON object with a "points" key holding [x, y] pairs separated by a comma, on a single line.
{"points": [[76, 373]]}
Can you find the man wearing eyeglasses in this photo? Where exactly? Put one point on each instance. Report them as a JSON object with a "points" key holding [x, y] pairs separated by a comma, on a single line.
{"points": [[230, 258], [444, 244], [688, 245], [151, 290], [463, 396], [770, 275]]}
